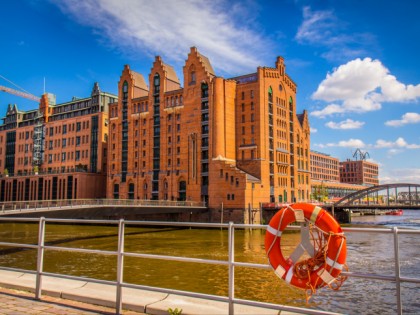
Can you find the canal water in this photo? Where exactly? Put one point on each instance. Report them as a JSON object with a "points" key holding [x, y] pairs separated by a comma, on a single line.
{"points": [[367, 253]]}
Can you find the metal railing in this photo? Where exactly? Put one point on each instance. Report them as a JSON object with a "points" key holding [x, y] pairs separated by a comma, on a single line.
{"points": [[34, 205], [230, 263]]}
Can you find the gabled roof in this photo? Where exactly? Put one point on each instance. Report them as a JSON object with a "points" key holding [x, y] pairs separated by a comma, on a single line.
{"points": [[206, 63], [139, 79], [170, 73]]}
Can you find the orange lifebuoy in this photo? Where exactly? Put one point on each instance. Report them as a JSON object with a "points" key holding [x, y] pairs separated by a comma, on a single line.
{"points": [[325, 264]]}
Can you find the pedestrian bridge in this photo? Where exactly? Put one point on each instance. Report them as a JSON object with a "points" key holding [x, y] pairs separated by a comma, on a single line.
{"points": [[9, 207], [389, 196]]}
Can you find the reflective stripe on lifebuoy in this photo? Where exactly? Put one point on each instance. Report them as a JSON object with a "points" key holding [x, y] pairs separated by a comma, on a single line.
{"points": [[333, 259]]}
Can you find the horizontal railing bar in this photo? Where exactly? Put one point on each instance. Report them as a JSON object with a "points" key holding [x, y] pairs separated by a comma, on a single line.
{"points": [[177, 258], [409, 280], [368, 276], [81, 221], [18, 245], [80, 250], [281, 307], [367, 230], [252, 265], [188, 224]]}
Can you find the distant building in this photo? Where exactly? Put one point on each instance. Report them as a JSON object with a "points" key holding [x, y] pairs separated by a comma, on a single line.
{"points": [[324, 167], [332, 180], [231, 143], [359, 172], [57, 151]]}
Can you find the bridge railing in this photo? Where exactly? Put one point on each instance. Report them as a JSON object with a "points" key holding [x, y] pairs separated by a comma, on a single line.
{"points": [[120, 253], [69, 203]]}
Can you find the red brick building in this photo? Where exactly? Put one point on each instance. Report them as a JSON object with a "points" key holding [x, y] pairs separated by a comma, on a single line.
{"points": [[359, 172], [231, 143], [57, 151]]}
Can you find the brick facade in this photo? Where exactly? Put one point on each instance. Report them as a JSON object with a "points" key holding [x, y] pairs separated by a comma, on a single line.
{"points": [[232, 143], [58, 151]]}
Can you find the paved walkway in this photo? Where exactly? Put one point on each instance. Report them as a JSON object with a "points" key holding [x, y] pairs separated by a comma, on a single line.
{"points": [[22, 303]]}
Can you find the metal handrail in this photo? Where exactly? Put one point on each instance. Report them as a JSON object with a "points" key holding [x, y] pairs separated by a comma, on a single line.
{"points": [[120, 253], [34, 205]]}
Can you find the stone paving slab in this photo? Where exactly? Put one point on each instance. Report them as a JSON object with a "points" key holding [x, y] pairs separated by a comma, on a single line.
{"points": [[23, 303]]}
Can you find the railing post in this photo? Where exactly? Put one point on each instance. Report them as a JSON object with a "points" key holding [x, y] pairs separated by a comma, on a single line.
{"points": [[397, 270], [231, 292], [40, 258], [120, 266]]}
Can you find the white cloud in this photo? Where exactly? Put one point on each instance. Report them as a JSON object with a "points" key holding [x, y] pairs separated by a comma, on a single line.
{"points": [[361, 86], [398, 144], [345, 124], [408, 118], [316, 26], [351, 143], [322, 29], [168, 28], [313, 130], [401, 175]]}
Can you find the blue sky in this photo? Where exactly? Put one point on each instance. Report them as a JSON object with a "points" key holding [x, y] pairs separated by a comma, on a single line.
{"points": [[356, 63]]}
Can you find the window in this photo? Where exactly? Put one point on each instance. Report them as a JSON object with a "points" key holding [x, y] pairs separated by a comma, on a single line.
{"points": [[64, 142], [192, 75], [77, 156], [77, 141], [78, 126]]}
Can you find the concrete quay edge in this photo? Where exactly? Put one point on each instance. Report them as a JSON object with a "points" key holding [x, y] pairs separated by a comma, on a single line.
{"points": [[149, 302]]}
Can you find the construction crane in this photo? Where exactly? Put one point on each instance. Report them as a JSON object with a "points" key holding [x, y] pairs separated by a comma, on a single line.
{"points": [[24, 94], [19, 93], [362, 155]]}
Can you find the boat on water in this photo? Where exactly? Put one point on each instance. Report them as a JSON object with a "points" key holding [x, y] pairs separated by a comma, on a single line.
{"points": [[395, 212]]}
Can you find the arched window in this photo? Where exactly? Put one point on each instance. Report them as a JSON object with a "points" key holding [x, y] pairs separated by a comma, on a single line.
{"points": [[125, 90], [204, 90], [270, 94], [116, 191], [131, 191], [182, 191], [192, 74], [156, 83]]}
